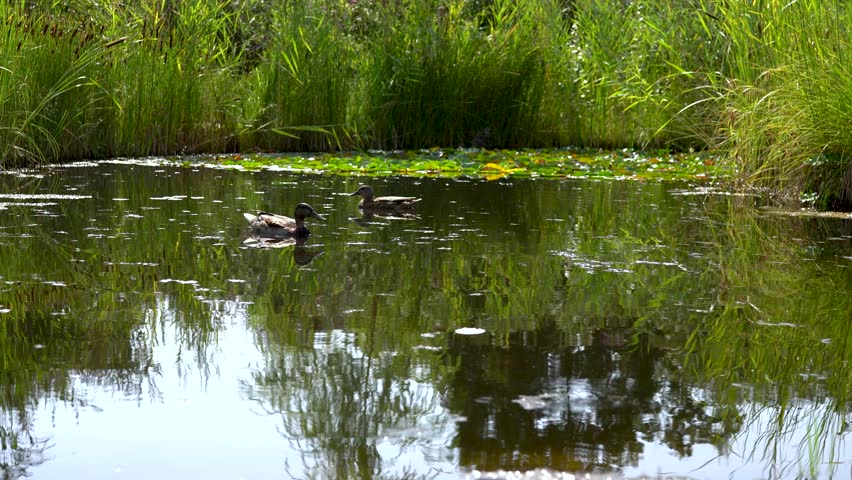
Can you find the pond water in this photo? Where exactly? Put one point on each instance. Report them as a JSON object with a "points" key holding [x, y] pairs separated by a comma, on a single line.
{"points": [[628, 329]]}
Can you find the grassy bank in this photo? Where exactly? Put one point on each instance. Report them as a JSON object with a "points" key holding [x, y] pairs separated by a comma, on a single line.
{"points": [[763, 83]]}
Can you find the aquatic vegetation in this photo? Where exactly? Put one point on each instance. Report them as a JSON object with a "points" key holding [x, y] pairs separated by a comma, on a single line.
{"points": [[493, 164]]}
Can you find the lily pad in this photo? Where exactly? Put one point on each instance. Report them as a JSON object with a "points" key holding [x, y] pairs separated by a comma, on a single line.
{"points": [[492, 164]]}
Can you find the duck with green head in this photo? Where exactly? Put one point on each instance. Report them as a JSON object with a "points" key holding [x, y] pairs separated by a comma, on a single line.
{"points": [[388, 203], [270, 225]]}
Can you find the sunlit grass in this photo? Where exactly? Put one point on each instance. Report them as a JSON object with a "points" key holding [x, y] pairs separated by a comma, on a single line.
{"points": [[766, 85]]}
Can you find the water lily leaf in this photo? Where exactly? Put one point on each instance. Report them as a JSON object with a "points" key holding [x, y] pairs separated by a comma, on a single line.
{"points": [[623, 164]]}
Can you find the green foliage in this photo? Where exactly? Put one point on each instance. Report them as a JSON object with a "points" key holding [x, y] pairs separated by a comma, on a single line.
{"points": [[434, 77], [298, 91], [492, 164], [782, 87], [45, 79], [172, 88], [767, 83], [215, 76]]}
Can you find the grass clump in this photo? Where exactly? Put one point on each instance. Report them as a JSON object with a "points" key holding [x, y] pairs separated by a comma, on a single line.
{"points": [[440, 75], [42, 63], [781, 90]]}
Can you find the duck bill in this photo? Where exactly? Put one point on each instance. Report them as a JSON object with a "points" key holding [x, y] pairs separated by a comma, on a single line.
{"points": [[354, 193], [318, 216]]}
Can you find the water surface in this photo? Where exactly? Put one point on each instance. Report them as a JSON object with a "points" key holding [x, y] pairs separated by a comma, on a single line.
{"points": [[629, 329]]}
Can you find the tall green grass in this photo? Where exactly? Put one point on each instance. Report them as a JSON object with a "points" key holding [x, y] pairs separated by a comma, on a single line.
{"points": [[170, 87], [45, 86], [299, 91], [766, 82], [782, 86], [211, 76], [437, 74], [624, 75]]}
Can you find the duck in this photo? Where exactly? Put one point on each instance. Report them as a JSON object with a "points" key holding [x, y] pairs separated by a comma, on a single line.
{"points": [[268, 225], [371, 203]]}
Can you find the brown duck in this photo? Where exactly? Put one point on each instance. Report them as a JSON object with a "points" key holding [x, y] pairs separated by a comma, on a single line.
{"points": [[275, 226], [379, 204]]}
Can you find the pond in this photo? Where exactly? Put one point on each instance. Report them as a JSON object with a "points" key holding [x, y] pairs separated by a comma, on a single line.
{"points": [[621, 329]]}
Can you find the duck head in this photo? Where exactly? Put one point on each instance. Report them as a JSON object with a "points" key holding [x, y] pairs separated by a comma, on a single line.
{"points": [[365, 191], [303, 211]]}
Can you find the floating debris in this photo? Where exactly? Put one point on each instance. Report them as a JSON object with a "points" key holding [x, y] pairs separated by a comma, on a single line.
{"points": [[537, 474], [535, 402], [171, 198], [806, 212], [470, 331]]}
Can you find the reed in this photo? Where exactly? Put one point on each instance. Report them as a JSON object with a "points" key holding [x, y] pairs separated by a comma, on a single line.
{"points": [[765, 82], [42, 62], [299, 92], [439, 74], [780, 86], [171, 86]]}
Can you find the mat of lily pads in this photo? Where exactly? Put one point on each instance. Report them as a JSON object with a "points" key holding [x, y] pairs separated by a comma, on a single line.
{"points": [[491, 164]]}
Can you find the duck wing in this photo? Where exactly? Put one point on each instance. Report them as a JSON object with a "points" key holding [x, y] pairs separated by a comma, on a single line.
{"points": [[273, 220], [392, 200]]}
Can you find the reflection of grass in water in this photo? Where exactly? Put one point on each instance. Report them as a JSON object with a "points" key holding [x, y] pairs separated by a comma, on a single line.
{"points": [[79, 285], [61, 324], [780, 339], [339, 395], [429, 291]]}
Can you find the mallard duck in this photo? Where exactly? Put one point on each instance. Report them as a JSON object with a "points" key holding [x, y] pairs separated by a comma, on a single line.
{"points": [[369, 202], [271, 225]]}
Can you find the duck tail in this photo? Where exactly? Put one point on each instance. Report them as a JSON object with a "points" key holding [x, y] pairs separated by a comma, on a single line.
{"points": [[250, 217]]}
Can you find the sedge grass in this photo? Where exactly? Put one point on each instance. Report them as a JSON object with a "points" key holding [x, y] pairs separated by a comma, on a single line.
{"points": [[45, 79], [301, 84]]}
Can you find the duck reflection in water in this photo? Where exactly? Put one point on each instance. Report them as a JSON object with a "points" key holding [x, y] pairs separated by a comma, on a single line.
{"points": [[369, 218], [302, 255], [389, 204]]}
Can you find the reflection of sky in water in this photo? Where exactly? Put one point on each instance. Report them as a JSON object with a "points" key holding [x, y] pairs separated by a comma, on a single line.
{"points": [[198, 424], [756, 452], [198, 427]]}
